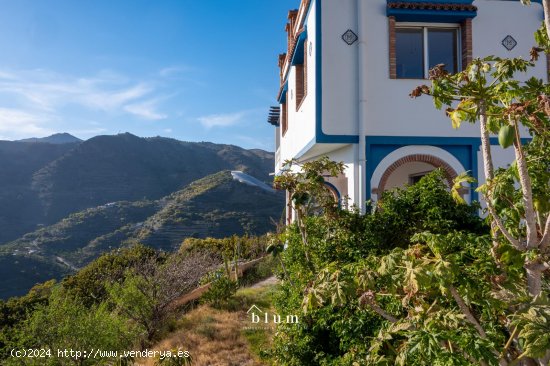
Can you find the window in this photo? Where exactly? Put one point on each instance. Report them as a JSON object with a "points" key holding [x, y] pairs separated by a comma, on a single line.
{"points": [[284, 118], [420, 48], [415, 178], [301, 80]]}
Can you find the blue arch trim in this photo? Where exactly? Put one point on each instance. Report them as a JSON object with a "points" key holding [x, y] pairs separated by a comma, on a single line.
{"points": [[333, 187], [464, 149]]}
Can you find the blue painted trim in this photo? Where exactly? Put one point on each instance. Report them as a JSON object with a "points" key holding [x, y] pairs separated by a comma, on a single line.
{"points": [[298, 56], [282, 98], [320, 136], [432, 16], [436, 1], [464, 149], [457, 146], [337, 192]]}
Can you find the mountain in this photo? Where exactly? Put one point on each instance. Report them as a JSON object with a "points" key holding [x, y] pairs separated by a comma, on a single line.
{"points": [[58, 138], [47, 182], [217, 205], [20, 206]]}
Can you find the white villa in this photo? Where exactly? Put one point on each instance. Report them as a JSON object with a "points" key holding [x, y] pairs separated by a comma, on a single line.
{"points": [[348, 71]]}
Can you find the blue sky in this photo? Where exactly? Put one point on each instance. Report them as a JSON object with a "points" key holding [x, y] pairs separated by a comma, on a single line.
{"points": [[195, 70]]}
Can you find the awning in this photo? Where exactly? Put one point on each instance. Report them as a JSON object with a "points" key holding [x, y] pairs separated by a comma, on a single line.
{"points": [[273, 116], [438, 11], [298, 56]]}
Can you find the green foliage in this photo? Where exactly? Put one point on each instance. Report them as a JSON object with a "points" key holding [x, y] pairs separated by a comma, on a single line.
{"points": [[533, 324], [414, 291], [123, 300], [306, 184], [89, 284], [248, 247], [148, 292], [496, 93], [66, 323], [261, 271], [222, 289], [16, 310], [351, 252]]}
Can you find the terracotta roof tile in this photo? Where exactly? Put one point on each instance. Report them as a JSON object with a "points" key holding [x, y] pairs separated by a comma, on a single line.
{"points": [[431, 6]]}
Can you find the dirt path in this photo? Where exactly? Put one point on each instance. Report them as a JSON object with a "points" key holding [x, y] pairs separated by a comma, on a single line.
{"points": [[267, 282], [219, 337]]}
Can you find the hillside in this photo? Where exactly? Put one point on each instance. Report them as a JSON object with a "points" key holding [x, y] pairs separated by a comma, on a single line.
{"points": [[224, 336], [20, 207], [214, 206], [57, 138], [44, 181]]}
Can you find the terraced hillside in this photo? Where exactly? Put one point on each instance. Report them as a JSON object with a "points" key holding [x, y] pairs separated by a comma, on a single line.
{"points": [[45, 180], [214, 206]]}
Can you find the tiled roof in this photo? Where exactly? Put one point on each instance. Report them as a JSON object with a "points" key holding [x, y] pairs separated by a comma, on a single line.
{"points": [[431, 6]]}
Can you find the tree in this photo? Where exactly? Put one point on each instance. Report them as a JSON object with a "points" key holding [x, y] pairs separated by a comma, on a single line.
{"points": [[149, 290], [338, 329], [65, 323], [305, 184], [89, 283], [487, 91]]}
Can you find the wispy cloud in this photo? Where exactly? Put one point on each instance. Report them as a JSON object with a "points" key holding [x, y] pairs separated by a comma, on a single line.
{"points": [[31, 99], [17, 123], [222, 120], [145, 110], [175, 70], [112, 100]]}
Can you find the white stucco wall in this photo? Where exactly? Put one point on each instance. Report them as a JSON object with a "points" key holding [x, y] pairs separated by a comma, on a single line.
{"points": [[389, 109], [392, 112], [347, 156], [301, 122], [339, 64]]}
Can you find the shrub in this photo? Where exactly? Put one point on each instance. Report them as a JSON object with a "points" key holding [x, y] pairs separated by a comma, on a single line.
{"points": [[222, 289], [335, 329]]}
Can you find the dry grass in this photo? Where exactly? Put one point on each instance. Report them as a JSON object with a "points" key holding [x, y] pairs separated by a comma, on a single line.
{"points": [[217, 337]]}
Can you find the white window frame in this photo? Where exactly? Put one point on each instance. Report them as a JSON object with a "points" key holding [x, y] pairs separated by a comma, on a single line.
{"points": [[425, 27]]}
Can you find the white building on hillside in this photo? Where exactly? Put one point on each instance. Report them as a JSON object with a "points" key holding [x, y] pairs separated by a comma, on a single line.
{"points": [[348, 71]]}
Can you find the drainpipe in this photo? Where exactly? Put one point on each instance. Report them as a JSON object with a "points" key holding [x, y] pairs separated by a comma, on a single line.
{"points": [[362, 98]]}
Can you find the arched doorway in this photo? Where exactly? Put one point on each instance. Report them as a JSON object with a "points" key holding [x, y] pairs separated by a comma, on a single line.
{"points": [[408, 164]]}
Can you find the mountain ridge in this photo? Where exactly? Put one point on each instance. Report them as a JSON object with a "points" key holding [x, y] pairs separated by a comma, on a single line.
{"points": [[213, 206], [56, 138], [47, 182]]}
